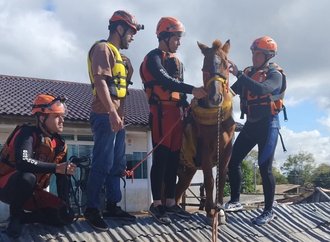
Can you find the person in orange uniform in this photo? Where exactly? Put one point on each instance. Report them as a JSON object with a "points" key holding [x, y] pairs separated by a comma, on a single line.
{"points": [[261, 88], [30, 155], [162, 75]]}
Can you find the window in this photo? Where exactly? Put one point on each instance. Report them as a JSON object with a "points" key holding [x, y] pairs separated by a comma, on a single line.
{"points": [[84, 138], [141, 171], [79, 150], [67, 137]]}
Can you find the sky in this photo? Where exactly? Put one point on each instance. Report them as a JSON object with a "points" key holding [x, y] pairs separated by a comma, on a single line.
{"points": [[50, 39]]}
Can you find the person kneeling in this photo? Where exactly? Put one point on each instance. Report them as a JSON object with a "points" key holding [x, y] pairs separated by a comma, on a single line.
{"points": [[29, 157]]}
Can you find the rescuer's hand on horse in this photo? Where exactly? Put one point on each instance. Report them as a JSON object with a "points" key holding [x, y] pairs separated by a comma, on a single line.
{"points": [[233, 68], [199, 92]]}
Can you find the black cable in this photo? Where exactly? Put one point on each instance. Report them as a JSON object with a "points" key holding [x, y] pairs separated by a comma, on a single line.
{"points": [[76, 185]]}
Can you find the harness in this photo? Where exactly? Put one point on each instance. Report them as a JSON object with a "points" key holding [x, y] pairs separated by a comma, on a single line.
{"points": [[46, 150], [157, 95], [274, 102], [117, 84], [209, 116], [153, 88]]}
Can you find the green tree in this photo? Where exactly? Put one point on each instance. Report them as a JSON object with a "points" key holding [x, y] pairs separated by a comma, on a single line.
{"points": [[279, 177], [299, 168], [321, 176], [252, 159], [247, 179], [251, 175]]}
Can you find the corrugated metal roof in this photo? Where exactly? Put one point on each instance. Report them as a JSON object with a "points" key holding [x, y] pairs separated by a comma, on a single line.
{"points": [[300, 222]]}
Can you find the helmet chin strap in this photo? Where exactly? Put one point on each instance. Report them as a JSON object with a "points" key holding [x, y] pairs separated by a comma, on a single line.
{"points": [[121, 36], [167, 42], [267, 58], [43, 127]]}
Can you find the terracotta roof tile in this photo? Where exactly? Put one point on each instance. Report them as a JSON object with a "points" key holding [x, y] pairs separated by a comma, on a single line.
{"points": [[18, 93]]}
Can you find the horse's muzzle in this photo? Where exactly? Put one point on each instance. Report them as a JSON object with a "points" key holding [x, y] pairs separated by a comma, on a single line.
{"points": [[215, 100]]}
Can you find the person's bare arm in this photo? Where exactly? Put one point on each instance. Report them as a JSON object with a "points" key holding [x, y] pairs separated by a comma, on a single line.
{"points": [[103, 92]]}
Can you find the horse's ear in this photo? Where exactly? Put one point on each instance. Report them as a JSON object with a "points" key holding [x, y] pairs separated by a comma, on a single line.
{"points": [[202, 47], [226, 47]]}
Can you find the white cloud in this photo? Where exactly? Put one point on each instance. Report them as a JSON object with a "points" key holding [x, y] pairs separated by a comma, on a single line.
{"points": [[325, 121], [307, 141], [35, 44]]}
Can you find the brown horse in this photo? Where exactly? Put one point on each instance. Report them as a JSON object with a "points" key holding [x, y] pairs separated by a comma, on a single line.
{"points": [[207, 140]]}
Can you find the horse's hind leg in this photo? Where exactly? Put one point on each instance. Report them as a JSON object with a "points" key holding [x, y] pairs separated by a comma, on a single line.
{"points": [[185, 175]]}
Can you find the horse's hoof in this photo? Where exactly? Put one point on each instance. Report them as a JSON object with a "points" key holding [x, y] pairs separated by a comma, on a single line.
{"points": [[221, 218]]}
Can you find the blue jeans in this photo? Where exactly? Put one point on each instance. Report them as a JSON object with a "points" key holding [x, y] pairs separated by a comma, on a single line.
{"points": [[108, 161]]}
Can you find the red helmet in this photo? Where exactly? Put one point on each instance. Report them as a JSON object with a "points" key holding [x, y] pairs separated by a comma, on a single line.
{"points": [[46, 104], [169, 25], [265, 44], [126, 17]]}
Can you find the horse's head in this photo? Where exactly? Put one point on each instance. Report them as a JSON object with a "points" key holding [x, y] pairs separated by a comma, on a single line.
{"points": [[215, 73]]}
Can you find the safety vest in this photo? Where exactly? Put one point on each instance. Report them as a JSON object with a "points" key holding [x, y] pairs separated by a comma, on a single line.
{"points": [[273, 103], [155, 92], [46, 150], [117, 84]]}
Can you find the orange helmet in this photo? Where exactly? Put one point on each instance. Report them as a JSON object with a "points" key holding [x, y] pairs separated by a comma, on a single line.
{"points": [[126, 17], [169, 25], [46, 104], [265, 44]]}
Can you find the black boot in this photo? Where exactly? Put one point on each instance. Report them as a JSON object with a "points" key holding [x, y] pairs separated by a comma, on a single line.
{"points": [[94, 218], [115, 212], [15, 226]]}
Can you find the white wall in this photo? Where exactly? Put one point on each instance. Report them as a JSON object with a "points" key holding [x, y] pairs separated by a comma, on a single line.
{"points": [[137, 195]]}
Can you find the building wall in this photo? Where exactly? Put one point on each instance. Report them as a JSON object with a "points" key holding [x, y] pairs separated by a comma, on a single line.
{"points": [[137, 194]]}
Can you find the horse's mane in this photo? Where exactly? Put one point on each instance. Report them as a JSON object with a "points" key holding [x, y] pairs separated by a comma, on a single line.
{"points": [[216, 44]]}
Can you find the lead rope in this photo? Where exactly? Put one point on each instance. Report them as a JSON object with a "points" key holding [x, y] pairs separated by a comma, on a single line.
{"points": [[131, 171], [217, 207]]}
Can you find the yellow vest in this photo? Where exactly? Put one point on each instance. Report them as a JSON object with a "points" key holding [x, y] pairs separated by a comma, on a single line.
{"points": [[117, 84]]}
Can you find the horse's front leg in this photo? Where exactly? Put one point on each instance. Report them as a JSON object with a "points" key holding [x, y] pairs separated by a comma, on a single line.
{"points": [[185, 175], [209, 185]]}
